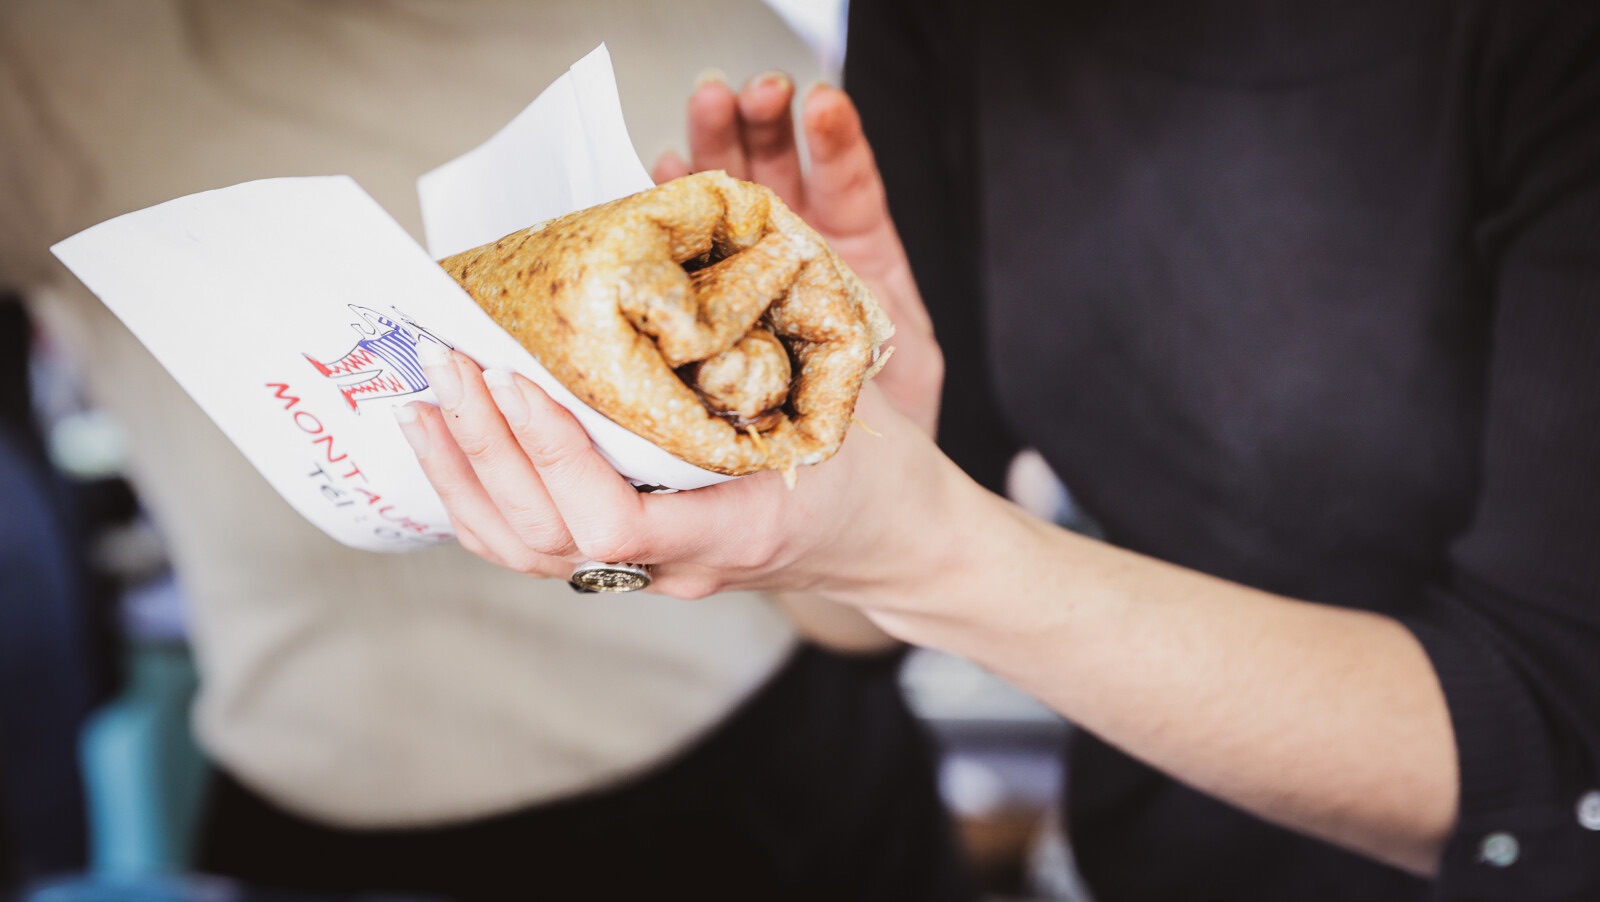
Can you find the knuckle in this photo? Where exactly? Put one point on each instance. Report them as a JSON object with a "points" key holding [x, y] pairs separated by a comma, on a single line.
{"points": [[475, 446], [469, 540], [547, 450], [544, 537], [530, 562], [694, 588], [761, 550], [472, 543], [859, 180], [767, 545], [610, 543]]}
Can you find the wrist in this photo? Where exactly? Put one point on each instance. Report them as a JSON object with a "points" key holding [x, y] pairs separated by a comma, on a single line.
{"points": [[946, 564], [1019, 588]]}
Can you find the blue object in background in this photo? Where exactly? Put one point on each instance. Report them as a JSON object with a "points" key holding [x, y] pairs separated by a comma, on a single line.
{"points": [[193, 888], [150, 888], [145, 774]]}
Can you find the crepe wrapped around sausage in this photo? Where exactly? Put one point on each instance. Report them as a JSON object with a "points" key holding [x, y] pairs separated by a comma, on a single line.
{"points": [[702, 314]]}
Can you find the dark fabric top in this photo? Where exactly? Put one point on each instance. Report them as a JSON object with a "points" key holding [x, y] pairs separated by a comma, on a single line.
{"points": [[1306, 296], [820, 787]]}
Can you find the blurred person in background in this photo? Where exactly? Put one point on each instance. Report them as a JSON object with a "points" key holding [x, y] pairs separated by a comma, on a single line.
{"points": [[49, 677], [1303, 303], [428, 723]]}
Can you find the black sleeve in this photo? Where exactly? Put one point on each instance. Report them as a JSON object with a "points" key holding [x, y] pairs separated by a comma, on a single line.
{"points": [[909, 69], [1513, 629]]}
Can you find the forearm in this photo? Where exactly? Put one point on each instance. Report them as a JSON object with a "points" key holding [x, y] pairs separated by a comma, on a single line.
{"points": [[1325, 720]]}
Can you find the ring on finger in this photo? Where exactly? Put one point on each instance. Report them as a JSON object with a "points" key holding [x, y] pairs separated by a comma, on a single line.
{"points": [[598, 576]]}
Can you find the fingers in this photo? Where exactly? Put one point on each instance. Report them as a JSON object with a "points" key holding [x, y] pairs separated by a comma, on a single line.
{"points": [[477, 462], [668, 167], [768, 136], [749, 134], [595, 502], [845, 196], [479, 525], [714, 141], [610, 521], [527, 490]]}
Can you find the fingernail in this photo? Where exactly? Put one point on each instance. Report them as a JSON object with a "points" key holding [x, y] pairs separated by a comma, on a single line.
{"points": [[432, 353], [442, 375], [771, 77], [507, 397], [709, 76], [411, 428]]}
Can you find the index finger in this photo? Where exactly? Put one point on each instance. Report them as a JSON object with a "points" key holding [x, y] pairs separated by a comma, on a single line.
{"points": [[607, 518], [714, 141], [768, 135], [479, 432]]}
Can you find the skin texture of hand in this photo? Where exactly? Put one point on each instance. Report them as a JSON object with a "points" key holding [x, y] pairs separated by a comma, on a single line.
{"points": [[1325, 720], [1276, 705], [750, 135], [526, 490]]}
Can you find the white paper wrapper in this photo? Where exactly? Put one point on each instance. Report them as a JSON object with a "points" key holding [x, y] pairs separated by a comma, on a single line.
{"points": [[567, 151], [291, 309]]}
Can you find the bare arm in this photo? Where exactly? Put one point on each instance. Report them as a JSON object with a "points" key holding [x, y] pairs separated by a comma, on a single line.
{"points": [[1325, 720]]}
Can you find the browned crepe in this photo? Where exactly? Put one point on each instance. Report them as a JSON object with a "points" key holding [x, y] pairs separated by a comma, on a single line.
{"points": [[701, 314]]}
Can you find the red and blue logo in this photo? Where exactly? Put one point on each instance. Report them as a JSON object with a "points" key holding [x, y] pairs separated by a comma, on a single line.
{"points": [[383, 363]]}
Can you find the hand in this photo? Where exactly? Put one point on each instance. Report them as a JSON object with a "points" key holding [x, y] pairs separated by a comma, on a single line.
{"points": [[526, 490], [750, 135]]}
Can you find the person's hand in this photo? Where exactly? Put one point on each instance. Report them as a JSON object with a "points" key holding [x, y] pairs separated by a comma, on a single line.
{"points": [[526, 489], [750, 135]]}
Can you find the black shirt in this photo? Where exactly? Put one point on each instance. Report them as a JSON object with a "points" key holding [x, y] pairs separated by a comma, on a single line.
{"points": [[1306, 296]]}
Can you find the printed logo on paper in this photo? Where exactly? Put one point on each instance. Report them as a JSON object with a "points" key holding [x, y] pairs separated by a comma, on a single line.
{"points": [[383, 363]]}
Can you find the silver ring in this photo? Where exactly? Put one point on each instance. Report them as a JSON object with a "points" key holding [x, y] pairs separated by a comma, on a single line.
{"points": [[596, 576]]}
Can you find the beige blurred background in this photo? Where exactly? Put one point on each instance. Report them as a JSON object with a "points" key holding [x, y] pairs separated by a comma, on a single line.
{"points": [[204, 95]]}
